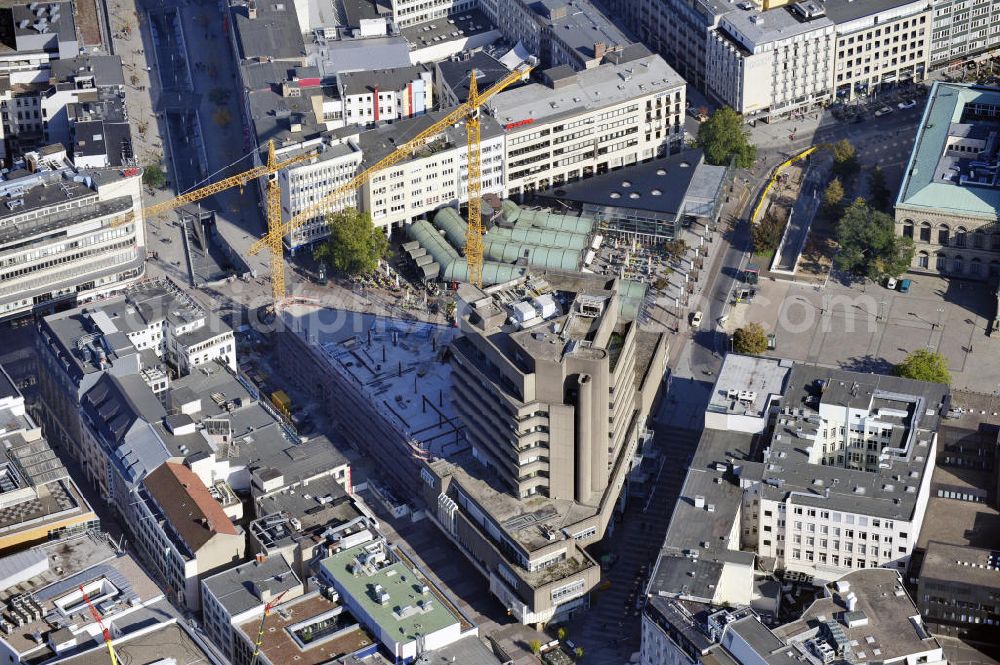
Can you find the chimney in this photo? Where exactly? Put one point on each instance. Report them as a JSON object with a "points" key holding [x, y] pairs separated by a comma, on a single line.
{"points": [[600, 48]]}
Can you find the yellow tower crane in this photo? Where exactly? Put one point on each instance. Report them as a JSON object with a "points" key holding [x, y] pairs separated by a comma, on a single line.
{"points": [[270, 170], [469, 112]]}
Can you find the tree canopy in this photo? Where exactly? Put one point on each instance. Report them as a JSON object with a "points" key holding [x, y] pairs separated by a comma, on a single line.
{"points": [[878, 191], [924, 365], [723, 137], [833, 196], [766, 234], [869, 246], [845, 159], [153, 176], [750, 339], [355, 245]]}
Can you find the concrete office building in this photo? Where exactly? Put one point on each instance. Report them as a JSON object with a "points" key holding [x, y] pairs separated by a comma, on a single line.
{"points": [[959, 591], [963, 31], [950, 194], [305, 183], [766, 64], [572, 381], [627, 110], [392, 601], [36, 33], [57, 243], [841, 487], [435, 175], [879, 44], [845, 481], [451, 77], [406, 13], [39, 501], [45, 619]]}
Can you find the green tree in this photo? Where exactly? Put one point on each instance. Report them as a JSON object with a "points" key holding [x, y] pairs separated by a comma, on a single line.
{"points": [[750, 339], [355, 245], [878, 190], [536, 647], [766, 234], [833, 196], [869, 246], [924, 365], [219, 96], [845, 159], [674, 249], [561, 633], [724, 137], [153, 176], [579, 652]]}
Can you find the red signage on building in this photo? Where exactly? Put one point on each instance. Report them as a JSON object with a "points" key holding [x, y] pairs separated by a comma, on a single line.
{"points": [[519, 123]]}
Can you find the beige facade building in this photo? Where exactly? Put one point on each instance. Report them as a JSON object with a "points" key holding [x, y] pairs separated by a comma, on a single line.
{"points": [[950, 195], [881, 47], [554, 392], [765, 64]]}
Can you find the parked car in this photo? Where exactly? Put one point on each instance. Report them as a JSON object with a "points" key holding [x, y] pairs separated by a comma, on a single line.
{"points": [[885, 110], [904, 285], [909, 104], [890, 283], [696, 319]]}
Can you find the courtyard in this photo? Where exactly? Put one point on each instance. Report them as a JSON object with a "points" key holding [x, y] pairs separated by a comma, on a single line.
{"points": [[869, 328]]}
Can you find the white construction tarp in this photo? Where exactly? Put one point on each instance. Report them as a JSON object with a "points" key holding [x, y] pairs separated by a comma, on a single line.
{"points": [[515, 56]]}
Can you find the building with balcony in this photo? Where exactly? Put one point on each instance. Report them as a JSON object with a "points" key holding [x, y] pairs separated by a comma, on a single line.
{"points": [[950, 194], [39, 501], [554, 392]]}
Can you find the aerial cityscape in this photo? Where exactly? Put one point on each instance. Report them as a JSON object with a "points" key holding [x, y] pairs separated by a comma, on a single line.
{"points": [[496, 332]]}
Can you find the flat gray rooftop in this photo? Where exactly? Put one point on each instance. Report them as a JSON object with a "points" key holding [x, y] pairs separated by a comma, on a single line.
{"points": [[755, 380], [600, 87], [947, 563], [889, 633], [892, 491]]}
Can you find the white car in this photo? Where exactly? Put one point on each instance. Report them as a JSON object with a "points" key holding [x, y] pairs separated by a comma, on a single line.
{"points": [[890, 283], [885, 110], [696, 319], [907, 105]]}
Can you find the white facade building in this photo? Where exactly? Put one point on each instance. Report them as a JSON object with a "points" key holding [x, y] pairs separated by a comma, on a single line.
{"points": [[769, 63], [57, 239], [305, 183], [385, 95], [591, 121], [434, 177], [410, 12]]}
